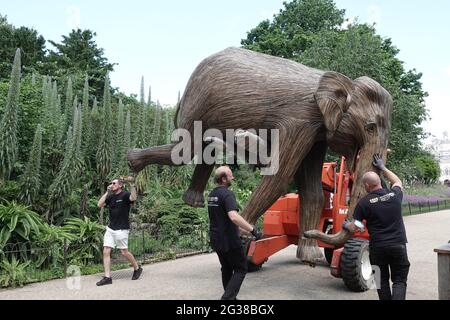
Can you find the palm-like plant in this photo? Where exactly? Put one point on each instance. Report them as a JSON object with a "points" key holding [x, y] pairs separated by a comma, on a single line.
{"points": [[13, 273], [87, 245], [49, 246], [18, 223]]}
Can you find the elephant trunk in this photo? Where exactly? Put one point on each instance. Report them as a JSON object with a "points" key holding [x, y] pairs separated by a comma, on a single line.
{"points": [[363, 165]]}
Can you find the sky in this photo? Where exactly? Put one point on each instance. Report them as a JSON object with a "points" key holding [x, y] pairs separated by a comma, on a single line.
{"points": [[163, 41]]}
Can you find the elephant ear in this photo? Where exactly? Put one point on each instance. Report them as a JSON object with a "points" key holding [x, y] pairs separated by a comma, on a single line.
{"points": [[333, 98]]}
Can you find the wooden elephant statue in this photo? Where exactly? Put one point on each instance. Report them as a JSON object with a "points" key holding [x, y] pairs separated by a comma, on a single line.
{"points": [[311, 109]]}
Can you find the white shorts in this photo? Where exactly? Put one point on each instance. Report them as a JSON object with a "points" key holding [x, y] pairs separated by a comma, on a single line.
{"points": [[116, 238]]}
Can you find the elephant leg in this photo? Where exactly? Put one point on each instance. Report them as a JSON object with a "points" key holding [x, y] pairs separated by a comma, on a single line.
{"points": [[293, 147], [194, 194], [308, 179], [138, 159]]}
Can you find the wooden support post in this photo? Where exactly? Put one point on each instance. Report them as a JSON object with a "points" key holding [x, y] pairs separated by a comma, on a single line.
{"points": [[444, 271]]}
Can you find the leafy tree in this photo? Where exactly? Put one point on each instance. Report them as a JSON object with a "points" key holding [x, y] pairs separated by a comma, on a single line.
{"points": [[310, 32], [294, 29], [78, 53], [427, 167], [8, 124], [31, 44]]}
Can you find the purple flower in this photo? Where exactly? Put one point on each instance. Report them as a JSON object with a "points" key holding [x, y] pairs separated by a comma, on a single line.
{"points": [[422, 200]]}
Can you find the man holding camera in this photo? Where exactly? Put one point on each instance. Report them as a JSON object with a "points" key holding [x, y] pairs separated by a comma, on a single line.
{"points": [[119, 202], [224, 233]]}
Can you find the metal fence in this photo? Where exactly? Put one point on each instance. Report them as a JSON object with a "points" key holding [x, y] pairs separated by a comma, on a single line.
{"points": [[411, 208]]}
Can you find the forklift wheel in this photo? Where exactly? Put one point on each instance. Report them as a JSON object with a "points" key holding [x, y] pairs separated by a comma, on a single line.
{"points": [[356, 269]]}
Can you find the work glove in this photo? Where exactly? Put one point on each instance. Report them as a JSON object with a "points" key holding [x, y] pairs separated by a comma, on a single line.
{"points": [[378, 162], [256, 233], [353, 226]]}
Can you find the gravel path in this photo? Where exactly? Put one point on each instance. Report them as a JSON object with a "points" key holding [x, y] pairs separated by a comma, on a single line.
{"points": [[282, 277]]}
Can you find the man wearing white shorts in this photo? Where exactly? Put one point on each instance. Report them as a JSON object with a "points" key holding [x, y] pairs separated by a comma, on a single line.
{"points": [[116, 236]]}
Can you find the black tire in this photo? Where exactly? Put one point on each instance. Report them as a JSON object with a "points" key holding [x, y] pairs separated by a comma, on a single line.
{"points": [[355, 265], [328, 254], [251, 267]]}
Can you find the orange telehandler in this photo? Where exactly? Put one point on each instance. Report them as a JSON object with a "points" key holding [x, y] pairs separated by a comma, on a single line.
{"points": [[282, 224]]}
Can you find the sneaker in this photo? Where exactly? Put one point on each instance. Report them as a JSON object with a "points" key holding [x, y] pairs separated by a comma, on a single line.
{"points": [[105, 280], [137, 273]]}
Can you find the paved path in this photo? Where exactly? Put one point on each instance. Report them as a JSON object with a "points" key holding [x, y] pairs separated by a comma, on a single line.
{"points": [[282, 277]]}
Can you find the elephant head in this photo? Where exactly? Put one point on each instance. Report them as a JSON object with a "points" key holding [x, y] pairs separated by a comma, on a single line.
{"points": [[357, 117]]}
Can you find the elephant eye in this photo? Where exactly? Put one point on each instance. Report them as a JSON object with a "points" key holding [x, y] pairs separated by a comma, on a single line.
{"points": [[370, 127]]}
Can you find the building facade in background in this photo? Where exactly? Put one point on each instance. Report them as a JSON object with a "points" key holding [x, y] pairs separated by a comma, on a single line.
{"points": [[441, 150]]}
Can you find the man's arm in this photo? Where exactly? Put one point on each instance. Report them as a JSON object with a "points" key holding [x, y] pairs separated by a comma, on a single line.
{"points": [[101, 202], [239, 221], [392, 177]]}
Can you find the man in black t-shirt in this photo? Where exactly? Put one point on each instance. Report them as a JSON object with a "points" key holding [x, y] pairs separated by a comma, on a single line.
{"points": [[224, 233], [382, 210], [119, 202]]}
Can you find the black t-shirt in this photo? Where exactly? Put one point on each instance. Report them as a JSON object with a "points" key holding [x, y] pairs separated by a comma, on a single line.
{"points": [[382, 210], [223, 233], [119, 210]]}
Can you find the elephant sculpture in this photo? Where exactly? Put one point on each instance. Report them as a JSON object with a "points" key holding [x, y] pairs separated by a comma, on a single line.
{"points": [[312, 109]]}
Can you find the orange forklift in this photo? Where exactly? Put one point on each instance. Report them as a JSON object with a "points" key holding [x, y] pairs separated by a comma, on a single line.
{"points": [[282, 224]]}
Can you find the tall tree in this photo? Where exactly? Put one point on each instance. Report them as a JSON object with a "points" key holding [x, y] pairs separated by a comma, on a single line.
{"points": [[78, 53], [294, 28], [310, 32], [8, 124], [31, 44]]}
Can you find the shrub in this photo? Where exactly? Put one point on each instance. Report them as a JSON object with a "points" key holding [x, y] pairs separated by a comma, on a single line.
{"points": [[13, 273], [87, 246], [18, 223]]}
